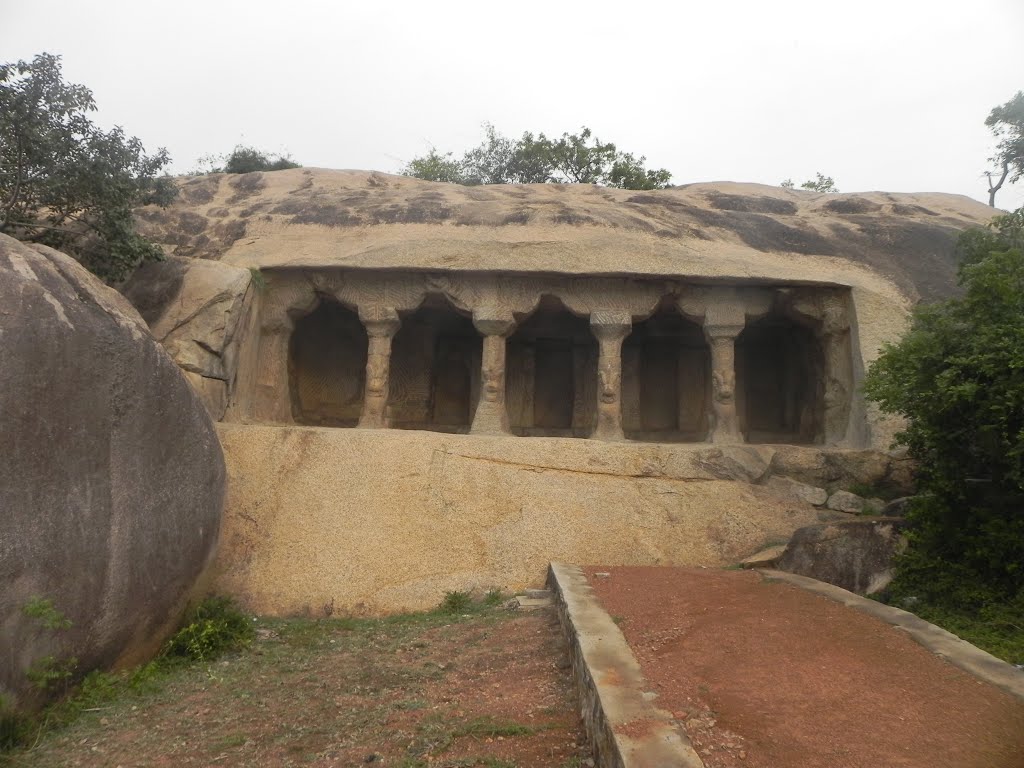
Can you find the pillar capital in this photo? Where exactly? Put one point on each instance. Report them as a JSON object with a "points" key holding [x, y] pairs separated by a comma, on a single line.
{"points": [[609, 323], [493, 321], [724, 331], [379, 321]]}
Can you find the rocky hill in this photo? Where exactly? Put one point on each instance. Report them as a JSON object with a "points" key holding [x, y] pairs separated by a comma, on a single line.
{"points": [[316, 217]]}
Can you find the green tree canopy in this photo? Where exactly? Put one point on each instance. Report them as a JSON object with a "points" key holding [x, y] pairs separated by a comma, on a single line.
{"points": [[244, 159], [1007, 124], [958, 378], [578, 158], [66, 183], [821, 184]]}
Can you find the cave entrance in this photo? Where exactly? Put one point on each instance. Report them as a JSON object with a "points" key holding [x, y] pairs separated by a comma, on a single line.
{"points": [[435, 369], [327, 366], [551, 380], [779, 382], [666, 379]]}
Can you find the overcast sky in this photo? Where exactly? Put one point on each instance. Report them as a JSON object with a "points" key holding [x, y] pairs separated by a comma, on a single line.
{"points": [[879, 94]]}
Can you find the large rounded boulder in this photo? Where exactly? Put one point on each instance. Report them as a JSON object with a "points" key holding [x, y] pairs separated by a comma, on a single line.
{"points": [[112, 479]]}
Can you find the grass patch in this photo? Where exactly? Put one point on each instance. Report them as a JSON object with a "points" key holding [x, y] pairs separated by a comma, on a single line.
{"points": [[288, 689], [437, 733], [998, 629]]}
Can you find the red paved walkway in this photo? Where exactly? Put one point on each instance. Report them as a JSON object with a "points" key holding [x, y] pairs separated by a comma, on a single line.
{"points": [[768, 675]]}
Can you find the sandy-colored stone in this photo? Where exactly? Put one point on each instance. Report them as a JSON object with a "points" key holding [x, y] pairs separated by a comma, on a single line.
{"points": [[881, 252], [112, 478], [844, 501], [809, 493], [194, 309], [384, 520], [766, 558], [315, 217]]}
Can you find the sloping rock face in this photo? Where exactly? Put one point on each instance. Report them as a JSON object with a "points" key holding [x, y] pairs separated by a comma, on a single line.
{"points": [[855, 555], [112, 483], [378, 521], [194, 308], [314, 217]]}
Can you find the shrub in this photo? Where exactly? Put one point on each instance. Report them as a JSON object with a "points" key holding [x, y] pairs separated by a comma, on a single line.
{"points": [[456, 602], [249, 159], [213, 627]]}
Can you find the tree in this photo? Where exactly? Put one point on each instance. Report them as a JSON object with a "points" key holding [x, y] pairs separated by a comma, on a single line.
{"points": [[821, 184], [1007, 124], [66, 183], [572, 159], [436, 167], [958, 378]]}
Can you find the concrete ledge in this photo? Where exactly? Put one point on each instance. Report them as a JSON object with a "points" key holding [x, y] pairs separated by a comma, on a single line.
{"points": [[626, 728], [959, 652]]}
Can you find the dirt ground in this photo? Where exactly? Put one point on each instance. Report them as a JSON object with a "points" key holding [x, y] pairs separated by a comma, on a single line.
{"points": [[492, 689], [766, 675]]}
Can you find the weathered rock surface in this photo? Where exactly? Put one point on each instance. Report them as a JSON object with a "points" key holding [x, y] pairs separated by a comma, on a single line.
{"points": [[855, 555], [316, 217], [897, 507], [844, 501], [766, 558], [386, 520], [788, 486], [112, 482], [194, 308], [832, 470]]}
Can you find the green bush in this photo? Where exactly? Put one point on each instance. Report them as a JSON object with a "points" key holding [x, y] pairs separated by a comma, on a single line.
{"points": [[213, 627], [249, 159], [456, 602], [958, 378]]}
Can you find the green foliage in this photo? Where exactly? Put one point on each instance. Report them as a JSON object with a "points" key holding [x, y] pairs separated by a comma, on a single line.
{"points": [[51, 674], [1007, 125], [213, 627], [820, 184], [435, 167], [577, 158], [43, 610], [958, 377], [243, 159], [249, 159], [456, 602], [493, 598], [66, 183]]}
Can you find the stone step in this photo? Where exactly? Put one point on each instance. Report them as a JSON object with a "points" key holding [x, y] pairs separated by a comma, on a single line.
{"points": [[532, 599]]}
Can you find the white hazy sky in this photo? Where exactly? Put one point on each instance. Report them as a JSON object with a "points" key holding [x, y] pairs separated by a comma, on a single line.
{"points": [[879, 94]]}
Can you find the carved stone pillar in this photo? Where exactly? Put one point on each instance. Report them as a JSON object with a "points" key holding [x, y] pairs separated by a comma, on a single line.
{"points": [[491, 414], [725, 426], [273, 401], [610, 328], [381, 325]]}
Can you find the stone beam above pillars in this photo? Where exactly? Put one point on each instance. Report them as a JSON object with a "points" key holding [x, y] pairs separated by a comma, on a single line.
{"points": [[610, 327], [381, 324], [491, 415], [724, 319]]}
